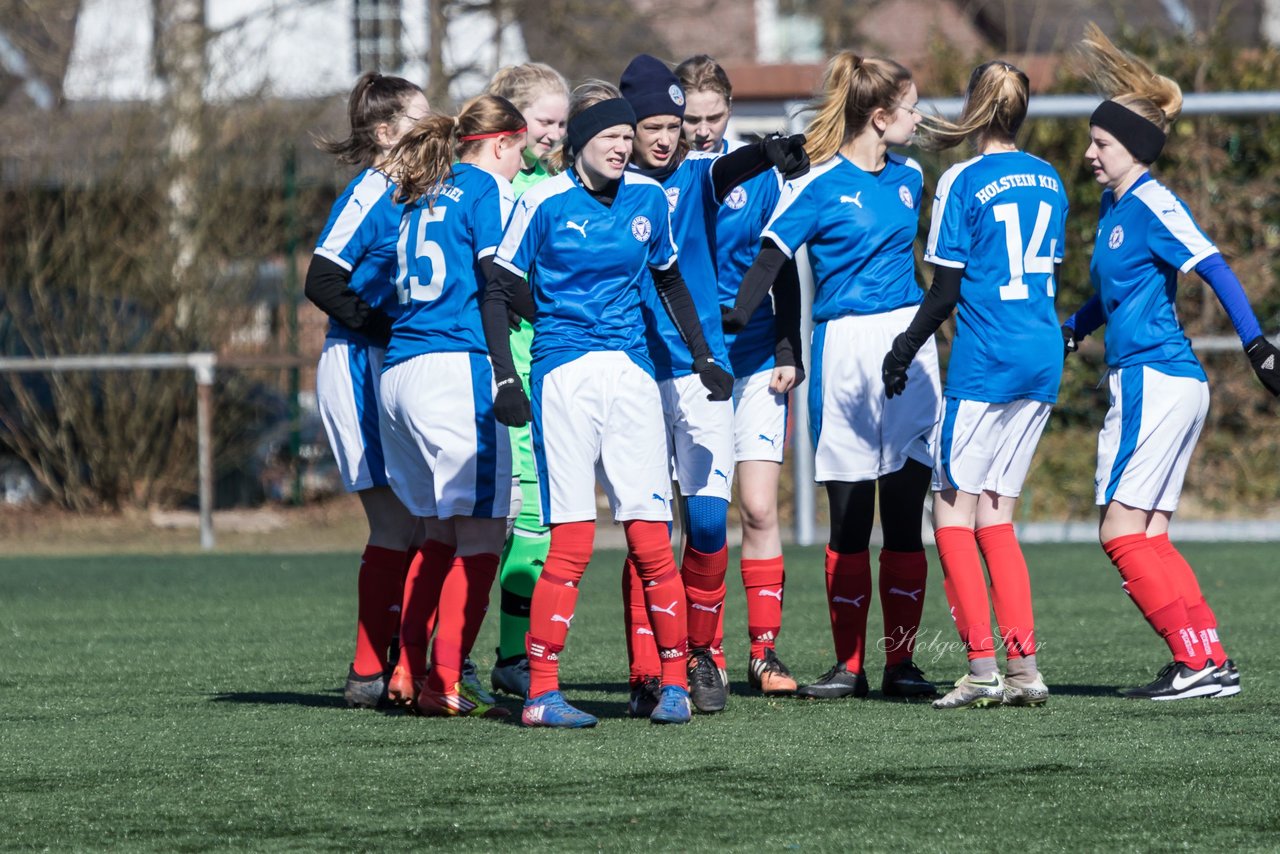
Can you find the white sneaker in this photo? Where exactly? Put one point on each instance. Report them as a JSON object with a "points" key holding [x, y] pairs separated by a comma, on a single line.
{"points": [[1025, 692], [971, 693]]}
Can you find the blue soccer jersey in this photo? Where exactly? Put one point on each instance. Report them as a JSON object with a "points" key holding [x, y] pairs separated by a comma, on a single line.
{"points": [[860, 228], [360, 237], [1143, 242], [438, 280], [587, 264], [1002, 218], [692, 207], [743, 216]]}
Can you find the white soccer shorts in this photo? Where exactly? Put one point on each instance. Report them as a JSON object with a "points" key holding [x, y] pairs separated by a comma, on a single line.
{"points": [[858, 434], [1148, 437], [447, 455], [700, 433], [987, 447], [599, 417], [759, 419], [347, 381]]}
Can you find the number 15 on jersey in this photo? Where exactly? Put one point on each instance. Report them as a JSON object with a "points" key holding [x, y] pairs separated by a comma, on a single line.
{"points": [[426, 261]]}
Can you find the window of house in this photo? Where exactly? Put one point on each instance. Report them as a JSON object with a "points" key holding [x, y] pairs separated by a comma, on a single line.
{"points": [[377, 28]]}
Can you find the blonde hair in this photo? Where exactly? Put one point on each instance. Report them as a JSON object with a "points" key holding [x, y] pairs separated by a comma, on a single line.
{"points": [[852, 89], [524, 84], [423, 159], [701, 73], [995, 105], [586, 94], [1130, 82]]}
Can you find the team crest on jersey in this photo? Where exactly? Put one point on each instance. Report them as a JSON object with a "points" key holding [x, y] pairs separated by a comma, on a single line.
{"points": [[641, 228], [1116, 238], [736, 199], [673, 198], [677, 95], [905, 195]]}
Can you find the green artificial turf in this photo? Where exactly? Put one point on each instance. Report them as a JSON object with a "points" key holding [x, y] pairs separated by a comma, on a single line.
{"points": [[184, 703]]}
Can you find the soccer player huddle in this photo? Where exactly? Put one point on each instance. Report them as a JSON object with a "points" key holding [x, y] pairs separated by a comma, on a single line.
{"points": [[561, 288]]}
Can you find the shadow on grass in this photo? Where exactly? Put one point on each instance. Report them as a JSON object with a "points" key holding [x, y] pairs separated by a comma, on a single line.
{"points": [[1084, 690], [331, 699]]}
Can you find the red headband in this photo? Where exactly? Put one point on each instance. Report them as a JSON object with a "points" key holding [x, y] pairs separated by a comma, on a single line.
{"points": [[473, 137]]}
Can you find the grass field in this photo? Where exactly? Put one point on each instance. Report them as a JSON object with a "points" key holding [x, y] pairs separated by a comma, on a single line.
{"points": [[193, 702]]}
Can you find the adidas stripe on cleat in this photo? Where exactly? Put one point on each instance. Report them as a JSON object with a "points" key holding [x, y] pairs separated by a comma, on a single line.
{"points": [[971, 693], [770, 676], [1178, 681], [674, 706], [553, 710], [456, 703]]}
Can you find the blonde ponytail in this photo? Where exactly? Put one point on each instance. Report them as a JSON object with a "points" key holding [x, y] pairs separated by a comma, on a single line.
{"points": [[1130, 82], [852, 89]]}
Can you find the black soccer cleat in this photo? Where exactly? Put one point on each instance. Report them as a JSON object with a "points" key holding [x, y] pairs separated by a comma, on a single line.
{"points": [[364, 692], [837, 682], [1177, 681], [905, 681], [644, 697], [1228, 678], [705, 688]]}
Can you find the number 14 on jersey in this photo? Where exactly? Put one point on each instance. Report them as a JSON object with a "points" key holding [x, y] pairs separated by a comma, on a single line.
{"points": [[1029, 260]]}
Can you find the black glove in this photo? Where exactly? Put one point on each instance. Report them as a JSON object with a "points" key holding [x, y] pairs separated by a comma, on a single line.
{"points": [[717, 380], [1265, 359], [894, 373], [513, 320], [787, 154], [733, 319], [1069, 343], [510, 406]]}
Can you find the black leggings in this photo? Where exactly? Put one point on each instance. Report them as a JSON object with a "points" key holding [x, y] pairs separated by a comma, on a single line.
{"points": [[853, 510]]}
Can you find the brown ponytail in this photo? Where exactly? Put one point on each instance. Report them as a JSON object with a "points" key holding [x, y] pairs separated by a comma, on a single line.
{"points": [[374, 100], [423, 160]]}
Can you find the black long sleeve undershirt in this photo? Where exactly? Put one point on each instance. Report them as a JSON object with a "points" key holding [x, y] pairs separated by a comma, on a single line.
{"points": [[676, 299], [759, 278], [504, 292], [786, 311], [328, 286], [937, 306], [736, 168]]}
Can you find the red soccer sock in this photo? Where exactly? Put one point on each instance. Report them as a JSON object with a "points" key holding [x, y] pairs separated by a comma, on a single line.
{"points": [[848, 597], [464, 598], [1010, 589], [902, 583], [704, 588], [650, 546], [1183, 579], [717, 643], [1147, 585], [966, 588], [764, 580], [642, 649], [555, 596], [421, 599], [377, 595]]}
